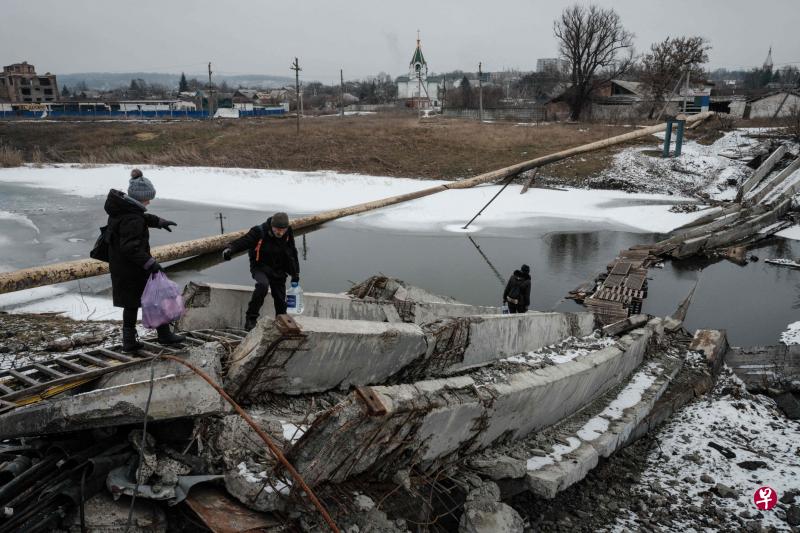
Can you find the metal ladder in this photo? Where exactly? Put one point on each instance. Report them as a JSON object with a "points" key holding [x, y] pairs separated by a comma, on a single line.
{"points": [[38, 381]]}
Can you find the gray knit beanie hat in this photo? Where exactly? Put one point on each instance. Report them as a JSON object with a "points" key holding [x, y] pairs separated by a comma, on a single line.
{"points": [[280, 220], [139, 187]]}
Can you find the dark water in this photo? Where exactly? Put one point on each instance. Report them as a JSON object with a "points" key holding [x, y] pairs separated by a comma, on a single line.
{"points": [[754, 303]]}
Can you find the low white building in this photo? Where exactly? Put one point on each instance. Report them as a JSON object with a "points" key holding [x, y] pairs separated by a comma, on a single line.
{"points": [[780, 104], [417, 89]]}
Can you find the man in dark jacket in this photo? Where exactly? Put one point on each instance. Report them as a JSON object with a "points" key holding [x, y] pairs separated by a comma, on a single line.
{"points": [[130, 261], [518, 290], [273, 256]]}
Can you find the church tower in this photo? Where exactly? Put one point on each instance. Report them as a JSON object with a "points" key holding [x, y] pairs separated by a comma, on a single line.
{"points": [[418, 68], [768, 61]]}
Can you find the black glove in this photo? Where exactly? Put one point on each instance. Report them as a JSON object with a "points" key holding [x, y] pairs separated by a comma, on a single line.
{"points": [[165, 224], [154, 268], [227, 254]]}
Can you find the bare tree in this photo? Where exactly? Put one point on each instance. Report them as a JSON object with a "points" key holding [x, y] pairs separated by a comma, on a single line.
{"points": [[591, 39], [792, 122], [666, 61]]}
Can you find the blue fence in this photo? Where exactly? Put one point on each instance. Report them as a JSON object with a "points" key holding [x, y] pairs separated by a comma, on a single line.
{"points": [[132, 115]]}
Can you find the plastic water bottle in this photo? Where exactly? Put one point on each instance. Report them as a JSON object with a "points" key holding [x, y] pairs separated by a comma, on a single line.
{"points": [[294, 299], [504, 307]]}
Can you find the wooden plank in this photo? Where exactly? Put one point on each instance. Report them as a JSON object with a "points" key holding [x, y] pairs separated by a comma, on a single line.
{"points": [[48, 371], [621, 268], [5, 389], [69, 364], [23, 378], [114, 355], [93, 360]]}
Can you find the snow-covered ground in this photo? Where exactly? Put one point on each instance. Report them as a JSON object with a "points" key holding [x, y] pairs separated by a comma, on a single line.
{"points": [[65, 298], [792, 334], [699, 169], [313, 192], [689, 472]]}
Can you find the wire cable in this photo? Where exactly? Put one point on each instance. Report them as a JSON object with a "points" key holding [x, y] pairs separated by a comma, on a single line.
{"points": [[141, 445]]}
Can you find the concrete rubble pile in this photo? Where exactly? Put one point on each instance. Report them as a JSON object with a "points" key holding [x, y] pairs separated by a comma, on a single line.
{"points": [[396, 407]]}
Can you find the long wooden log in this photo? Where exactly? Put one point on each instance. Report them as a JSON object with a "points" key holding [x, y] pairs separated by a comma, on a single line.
{"points": [[28, 278]]}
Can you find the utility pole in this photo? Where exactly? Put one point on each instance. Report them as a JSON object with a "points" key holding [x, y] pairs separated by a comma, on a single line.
{"points": [[480, 93], [296, 68], [341, 94], [210, 91], [221, 227], [686, 94]]}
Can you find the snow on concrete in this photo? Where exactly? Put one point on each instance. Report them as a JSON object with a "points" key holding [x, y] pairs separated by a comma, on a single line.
{"points": [[792, 232], [562, 352], [629, 396], [559, 451], [792, 334], [699, 169], [751, 426], [312, 192]]}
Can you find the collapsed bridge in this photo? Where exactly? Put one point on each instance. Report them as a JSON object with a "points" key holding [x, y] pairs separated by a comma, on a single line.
{"points": [[387, 385]]}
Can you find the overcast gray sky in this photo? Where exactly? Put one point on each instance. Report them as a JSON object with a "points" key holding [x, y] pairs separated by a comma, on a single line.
{"points": [[363, 37]]}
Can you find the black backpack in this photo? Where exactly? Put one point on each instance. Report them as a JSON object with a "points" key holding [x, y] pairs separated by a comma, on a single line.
{"points": [[101, 245], [514, 291]]}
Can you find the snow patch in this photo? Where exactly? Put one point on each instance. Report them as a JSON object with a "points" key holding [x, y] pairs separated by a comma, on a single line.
{"points": [[312, 192], [792, 334]]}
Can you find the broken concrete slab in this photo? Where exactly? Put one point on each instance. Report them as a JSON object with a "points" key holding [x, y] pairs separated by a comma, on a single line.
{"points": [[175, 395], [339, 354], [581, 440], [713, 344], [763, 169], [757, 194], [256, 488], [485, 513], [330, 354], [762, 368], [740, 230], [436, 419], [217, 306]]}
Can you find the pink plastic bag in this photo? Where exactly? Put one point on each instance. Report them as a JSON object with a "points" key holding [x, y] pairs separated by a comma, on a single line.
{"points": [[162, 301]]}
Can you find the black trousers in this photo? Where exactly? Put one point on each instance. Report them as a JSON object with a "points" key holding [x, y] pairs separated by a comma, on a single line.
{"points": [[129, 315], [263, 285], [516, 308]]}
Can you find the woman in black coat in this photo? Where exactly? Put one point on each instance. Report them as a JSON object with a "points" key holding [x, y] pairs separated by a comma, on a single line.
{"points": [[130, 261]]}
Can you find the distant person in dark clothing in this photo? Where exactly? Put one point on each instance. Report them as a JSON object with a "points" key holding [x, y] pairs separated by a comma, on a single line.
{"points": [[273, 256], [518, 290], [130, 261]]}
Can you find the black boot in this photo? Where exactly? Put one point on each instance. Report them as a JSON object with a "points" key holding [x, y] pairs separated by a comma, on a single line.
{"points": [[166, 336], [250, 322], [129, 342]]}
